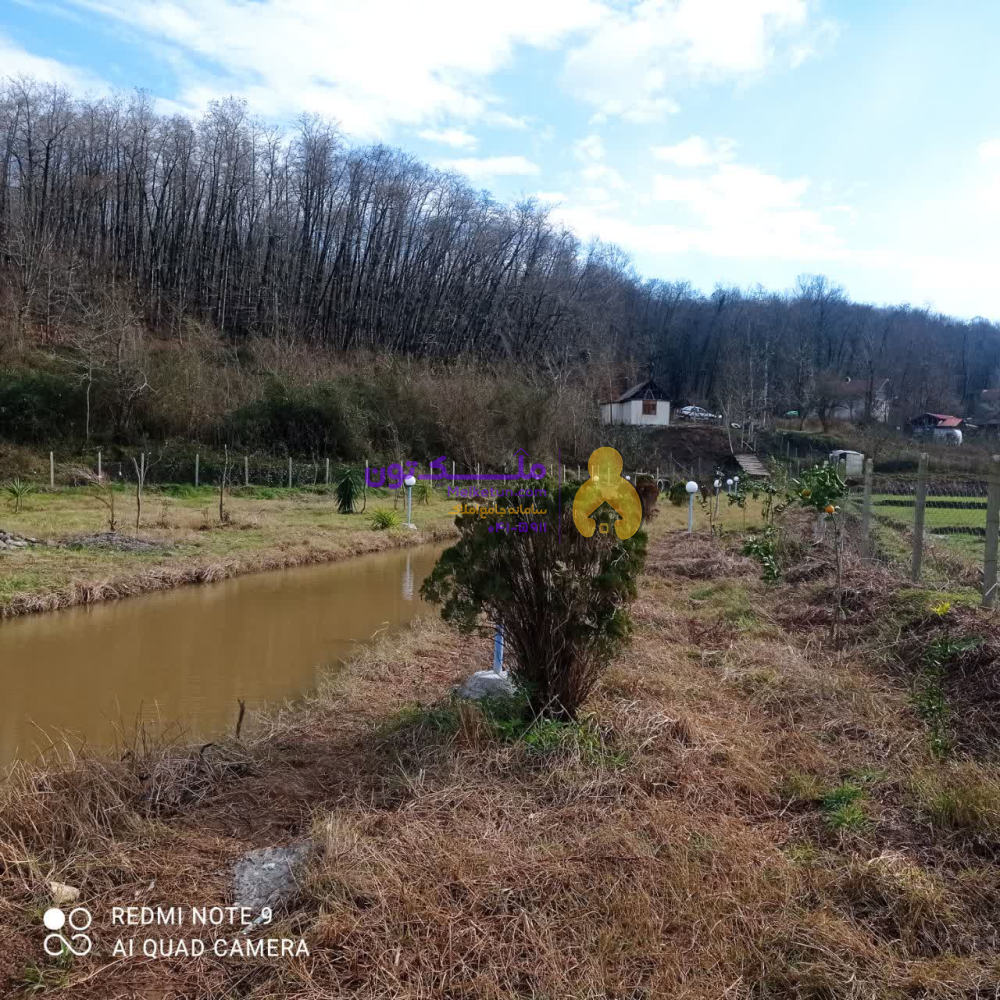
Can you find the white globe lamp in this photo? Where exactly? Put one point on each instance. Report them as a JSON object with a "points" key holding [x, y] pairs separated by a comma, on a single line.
{"points": [[692, 488], [409, 482]]}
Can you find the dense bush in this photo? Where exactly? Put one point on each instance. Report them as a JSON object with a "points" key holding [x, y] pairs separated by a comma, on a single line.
{"points": [[38, 407], [678, 494], [645, 486], [561, 599], [306, 420]]}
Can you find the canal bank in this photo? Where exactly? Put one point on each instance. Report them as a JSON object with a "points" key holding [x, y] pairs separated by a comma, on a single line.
{"points": [[183, 541]]}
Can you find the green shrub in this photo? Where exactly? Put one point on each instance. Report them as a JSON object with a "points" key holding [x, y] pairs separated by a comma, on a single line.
{"points": [[350, 487], [381, 519], [17, 490], [561, 599], [678, 494]]}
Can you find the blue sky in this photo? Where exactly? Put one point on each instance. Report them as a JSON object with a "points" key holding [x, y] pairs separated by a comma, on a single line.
{"points": [[716, 141]]}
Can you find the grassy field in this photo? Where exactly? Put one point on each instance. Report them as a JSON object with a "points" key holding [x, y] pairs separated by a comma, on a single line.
{"points": [[966, 544], [743, 811], [267, 528]]}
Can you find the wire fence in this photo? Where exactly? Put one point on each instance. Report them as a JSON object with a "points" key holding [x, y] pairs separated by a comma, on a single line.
{"points": [[942, 527]]}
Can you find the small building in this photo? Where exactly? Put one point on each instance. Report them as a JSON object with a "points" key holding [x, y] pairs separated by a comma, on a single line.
{"points": [[941, 427], [849, 399], [853, 462], [932, 421], [644, 405]]}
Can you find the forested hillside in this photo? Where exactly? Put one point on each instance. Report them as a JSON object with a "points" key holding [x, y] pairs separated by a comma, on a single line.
{"points": [[119, 225]]}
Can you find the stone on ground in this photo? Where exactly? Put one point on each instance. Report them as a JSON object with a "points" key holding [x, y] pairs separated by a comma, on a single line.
{"points": [[267, 877], [487, 684]]}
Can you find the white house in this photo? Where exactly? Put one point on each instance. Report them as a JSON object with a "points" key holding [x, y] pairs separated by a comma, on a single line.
{"points": [[849, 399], [644, 405]]}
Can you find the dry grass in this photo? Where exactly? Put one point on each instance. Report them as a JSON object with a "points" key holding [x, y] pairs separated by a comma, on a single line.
{"points": [[745, 813]]}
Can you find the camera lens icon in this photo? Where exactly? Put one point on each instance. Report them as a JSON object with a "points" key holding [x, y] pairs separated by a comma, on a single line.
{"points": [[79, 920]]}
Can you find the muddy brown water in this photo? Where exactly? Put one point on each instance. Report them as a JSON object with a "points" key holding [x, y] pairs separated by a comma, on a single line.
{"points": [[181, 660]]}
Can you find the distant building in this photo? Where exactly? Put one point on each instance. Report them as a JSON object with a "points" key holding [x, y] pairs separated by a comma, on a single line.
{"points": [[941, 427], [848, 400], [930, 421], [644, 405]]}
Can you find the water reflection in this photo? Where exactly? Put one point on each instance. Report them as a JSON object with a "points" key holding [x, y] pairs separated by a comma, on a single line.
{"points": [[188, 655]]}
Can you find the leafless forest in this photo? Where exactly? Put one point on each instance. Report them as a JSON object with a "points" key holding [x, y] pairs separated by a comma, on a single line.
{"points": [[122, 230]]}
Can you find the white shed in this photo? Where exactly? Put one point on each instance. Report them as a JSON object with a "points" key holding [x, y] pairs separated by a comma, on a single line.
{"points": [[643, 405], [854, 461]]}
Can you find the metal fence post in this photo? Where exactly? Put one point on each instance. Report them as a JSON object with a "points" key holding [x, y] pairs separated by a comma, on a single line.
{"points": [[246, 470], [289, 471], [328, 472], [918, 518], [992, 531], [866, 511], [196, 469], [52, 469], [98, 463]]}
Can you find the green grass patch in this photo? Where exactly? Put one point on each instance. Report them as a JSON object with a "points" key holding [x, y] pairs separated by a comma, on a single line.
{"points": [[842, 805], [963, 797], [509, 721]]}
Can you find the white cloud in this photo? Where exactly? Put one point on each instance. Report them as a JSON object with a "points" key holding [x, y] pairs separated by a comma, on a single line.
{"points": [[373, 65], [597, 221], [450, 137], [601, 173], [696, 152], [589, 149], [16, 61], [644, 52], [989, 150], [485, 167], [550, 197], [741, 211]]}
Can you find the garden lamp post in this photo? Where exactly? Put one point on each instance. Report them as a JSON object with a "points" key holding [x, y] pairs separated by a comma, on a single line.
{"points": [[718, 486], [729, 486], [498, 649], [692, 488], [409, 482], [736, 484]]}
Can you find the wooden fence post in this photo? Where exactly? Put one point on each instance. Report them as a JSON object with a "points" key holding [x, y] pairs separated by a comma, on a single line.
{"points": [[918, 518], [992, 531], [866, 511]]}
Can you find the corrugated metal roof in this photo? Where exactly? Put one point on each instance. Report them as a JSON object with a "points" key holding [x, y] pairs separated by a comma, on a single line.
{"points": [[943, 419]]}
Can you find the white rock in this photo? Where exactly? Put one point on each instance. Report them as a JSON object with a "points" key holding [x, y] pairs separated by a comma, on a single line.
{"points": [[487, 684], [63, 894]]}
